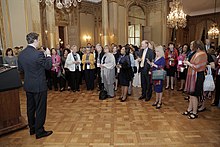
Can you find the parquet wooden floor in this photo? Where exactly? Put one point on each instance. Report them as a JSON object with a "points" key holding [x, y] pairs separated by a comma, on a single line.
{"points": [[82, 120]]}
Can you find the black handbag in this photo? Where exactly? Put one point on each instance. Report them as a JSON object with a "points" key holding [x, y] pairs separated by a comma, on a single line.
{"points": [[135, 69], [103, 94]]}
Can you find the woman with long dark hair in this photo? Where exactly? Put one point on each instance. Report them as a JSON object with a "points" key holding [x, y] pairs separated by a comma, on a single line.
{"points": [[181, 69], [65, 71], [10, 59]]}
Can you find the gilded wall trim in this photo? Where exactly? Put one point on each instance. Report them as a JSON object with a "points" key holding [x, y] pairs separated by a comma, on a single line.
{"points": [[2, 31], [26, 15], [9, 24]]}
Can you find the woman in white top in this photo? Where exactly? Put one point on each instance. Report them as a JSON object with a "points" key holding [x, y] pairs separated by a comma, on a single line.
{"points": [[73, 62]]}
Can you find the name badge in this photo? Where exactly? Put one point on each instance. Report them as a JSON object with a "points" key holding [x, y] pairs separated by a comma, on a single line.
{"points": [[87, 66], [170, 62], [98, 64], [219, 72], [118, 70], [180, 62]]}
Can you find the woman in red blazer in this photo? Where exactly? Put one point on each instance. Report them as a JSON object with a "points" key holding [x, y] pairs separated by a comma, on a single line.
{"points": [[171, 55]]}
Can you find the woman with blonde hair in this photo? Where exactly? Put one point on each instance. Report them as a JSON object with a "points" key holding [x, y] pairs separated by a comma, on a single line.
{"points": [[159, 63], [108, 71], [152, 45]]}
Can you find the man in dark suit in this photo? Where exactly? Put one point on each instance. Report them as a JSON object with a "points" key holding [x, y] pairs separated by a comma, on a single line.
{"points": [[33, 63], [145, 53], [98, 59]]}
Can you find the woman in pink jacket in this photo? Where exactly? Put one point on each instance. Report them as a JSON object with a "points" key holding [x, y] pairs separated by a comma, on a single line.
{"points": [[55, 70]]}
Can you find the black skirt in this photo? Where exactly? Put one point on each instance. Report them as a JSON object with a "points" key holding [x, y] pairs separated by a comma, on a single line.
{"points": [[171, 71], [182, 75], [199, 85], [125, 76]]}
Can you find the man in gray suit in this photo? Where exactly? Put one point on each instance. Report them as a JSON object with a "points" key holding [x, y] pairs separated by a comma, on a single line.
{"points": [[33, 63]]}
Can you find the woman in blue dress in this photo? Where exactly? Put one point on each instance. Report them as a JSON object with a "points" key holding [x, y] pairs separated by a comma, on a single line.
{"points": [[158, 63]]}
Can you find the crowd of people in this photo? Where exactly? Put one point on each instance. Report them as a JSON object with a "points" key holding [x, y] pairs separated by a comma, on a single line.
{"points": [[130, 66]]}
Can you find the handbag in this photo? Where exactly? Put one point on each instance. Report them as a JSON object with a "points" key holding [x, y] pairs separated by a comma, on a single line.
{"points": [[209, 84], [103, 94], [135, 69], [158, 74]]}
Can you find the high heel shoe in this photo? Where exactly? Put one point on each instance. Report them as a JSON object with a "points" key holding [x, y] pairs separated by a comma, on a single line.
{"points": [[158, 106], [192, 116], [120, 97], [187, 112], [62, 89], [167, 87], [155, 104], [123, 100]]}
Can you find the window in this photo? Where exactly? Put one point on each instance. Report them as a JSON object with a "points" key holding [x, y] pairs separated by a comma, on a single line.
{"points": [[134, 34]]}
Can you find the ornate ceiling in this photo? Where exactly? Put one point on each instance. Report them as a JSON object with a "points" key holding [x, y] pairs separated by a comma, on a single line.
{"points": [[94, 1]]}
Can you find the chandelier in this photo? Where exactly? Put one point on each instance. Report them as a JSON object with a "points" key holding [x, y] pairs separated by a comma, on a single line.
{"points": [[176, 18], [213, 31], [60, 4]]}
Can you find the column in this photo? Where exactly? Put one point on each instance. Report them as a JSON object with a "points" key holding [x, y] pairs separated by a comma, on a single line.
{"points": [[50, 15], [113, 21], [164, 34], [105, 23]]}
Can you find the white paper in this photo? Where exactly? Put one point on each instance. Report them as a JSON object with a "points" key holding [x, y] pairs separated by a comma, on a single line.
{"points": [[181, 69]]}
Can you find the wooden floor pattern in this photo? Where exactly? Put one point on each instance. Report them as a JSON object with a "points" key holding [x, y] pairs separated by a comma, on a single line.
{"points": [[81, 120]]}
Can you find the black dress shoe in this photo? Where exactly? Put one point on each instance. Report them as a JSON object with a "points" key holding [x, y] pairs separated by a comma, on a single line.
{"points": [[32, 132], [129, 94], [147, 99], [142, 97], [44, 134]]}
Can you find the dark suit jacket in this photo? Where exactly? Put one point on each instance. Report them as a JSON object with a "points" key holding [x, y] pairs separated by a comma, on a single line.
{"points": [[33, 63], [149, 55], [100, 57]]}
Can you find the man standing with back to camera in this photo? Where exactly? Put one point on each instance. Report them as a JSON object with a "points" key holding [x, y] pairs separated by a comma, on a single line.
{"points": [[33, 63]]}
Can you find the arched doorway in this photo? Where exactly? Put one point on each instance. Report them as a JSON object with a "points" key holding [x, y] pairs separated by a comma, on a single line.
{"points": [[136, 21]]}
